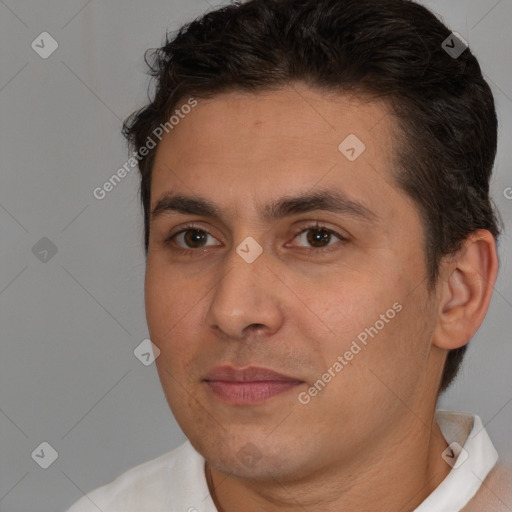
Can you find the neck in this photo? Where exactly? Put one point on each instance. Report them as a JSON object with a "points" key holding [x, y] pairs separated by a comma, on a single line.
{"points": [[396, 474]]}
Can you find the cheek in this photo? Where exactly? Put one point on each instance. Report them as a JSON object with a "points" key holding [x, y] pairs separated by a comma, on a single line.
{"points": [[349, 306], [375, 325], [172, 309], [171, 316], [395, 359]]}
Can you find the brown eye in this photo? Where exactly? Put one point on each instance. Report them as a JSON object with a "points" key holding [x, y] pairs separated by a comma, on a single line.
{"points": [[195, 238], [318, 237], [191, 238]]}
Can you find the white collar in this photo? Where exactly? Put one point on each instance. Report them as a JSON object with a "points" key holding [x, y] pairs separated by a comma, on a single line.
{"points": [[471, 464]]}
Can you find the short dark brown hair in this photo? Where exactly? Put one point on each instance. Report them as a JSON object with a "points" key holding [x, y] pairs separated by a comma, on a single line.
{"points": [[383, 49]]}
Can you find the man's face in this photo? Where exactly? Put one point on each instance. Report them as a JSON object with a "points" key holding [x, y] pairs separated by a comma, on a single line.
{"points": [[302, 305]]}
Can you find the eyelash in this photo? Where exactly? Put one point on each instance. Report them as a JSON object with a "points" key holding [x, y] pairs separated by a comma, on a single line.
{"points": [[317, 226]]}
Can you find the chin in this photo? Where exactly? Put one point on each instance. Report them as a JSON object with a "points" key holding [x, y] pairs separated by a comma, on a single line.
{"points": [[250, 457]]}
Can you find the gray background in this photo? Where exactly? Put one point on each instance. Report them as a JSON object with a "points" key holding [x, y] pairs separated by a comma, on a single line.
{"points": [[68, 374]]}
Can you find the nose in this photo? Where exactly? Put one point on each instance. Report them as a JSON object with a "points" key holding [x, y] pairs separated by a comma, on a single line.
{"points": [[245, 300]]}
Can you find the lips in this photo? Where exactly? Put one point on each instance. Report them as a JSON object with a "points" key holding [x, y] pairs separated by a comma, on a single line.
{"points": [[249, 385], [251, 374]]}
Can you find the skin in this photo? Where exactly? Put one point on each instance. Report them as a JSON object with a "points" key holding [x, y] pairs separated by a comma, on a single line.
{"points": [[369, 438]]}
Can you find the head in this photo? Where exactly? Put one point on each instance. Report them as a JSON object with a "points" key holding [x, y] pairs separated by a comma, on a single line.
{"points": [[264, 95]]}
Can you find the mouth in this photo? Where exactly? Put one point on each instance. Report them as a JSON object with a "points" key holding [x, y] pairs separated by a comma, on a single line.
{"points": [[248, 386]]}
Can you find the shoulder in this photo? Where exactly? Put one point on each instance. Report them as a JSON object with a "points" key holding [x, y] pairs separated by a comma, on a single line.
{"points": [[495, 493], [153, 485]]}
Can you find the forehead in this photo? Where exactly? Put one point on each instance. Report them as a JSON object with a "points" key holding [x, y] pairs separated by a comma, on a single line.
{"points": [[274, 143]]}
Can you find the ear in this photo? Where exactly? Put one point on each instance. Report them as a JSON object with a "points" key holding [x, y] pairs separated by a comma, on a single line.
{"points": [[465, 289]]}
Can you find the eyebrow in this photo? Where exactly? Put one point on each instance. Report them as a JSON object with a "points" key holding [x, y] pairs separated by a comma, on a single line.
{"points": [[325, 200]]}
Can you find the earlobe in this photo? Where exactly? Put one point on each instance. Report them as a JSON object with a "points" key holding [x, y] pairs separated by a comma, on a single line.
{"points": [[466, 287]]}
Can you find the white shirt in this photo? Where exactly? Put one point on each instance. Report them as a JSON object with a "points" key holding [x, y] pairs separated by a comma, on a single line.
{"points": [[176, 481]]}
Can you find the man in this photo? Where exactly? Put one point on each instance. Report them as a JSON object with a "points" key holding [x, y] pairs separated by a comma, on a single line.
{"points": [[320, 249]]}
